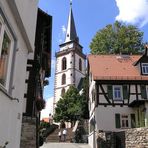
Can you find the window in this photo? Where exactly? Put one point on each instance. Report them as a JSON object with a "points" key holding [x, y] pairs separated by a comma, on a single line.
{"points": [[64, 63], [63, 91], [117, 93], [6, 43], [145, 68], [80, 64], [121, 121], [124, 121], [63, 79]]}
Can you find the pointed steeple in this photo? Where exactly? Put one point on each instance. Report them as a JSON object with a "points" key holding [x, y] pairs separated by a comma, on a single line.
{"points": [[71, 33]]}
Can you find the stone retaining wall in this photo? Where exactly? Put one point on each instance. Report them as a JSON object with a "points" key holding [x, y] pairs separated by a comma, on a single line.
{"points": [[28, 135], [137, 138], [130, 138]]}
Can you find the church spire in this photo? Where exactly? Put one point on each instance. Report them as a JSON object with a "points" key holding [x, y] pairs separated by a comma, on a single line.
{"points": [[71, 33]]}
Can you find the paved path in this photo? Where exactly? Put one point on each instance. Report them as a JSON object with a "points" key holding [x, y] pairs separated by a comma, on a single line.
{"points": [[64, 145]]}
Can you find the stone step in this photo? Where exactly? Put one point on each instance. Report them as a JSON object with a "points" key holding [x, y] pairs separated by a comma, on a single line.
{"points": [[53, 137]]}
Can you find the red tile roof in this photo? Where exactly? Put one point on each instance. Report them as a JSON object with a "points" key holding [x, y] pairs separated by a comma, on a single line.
{"points": [[115, 67], [45, 120]]}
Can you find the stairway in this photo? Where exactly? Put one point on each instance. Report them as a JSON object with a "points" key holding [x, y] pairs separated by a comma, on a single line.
{"points": [[53, 137]]}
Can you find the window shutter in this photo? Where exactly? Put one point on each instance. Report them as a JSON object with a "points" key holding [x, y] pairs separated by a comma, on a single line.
{"points": [[143, 92], [110, 91], [133, 121], [125, 92], [117, 120]]}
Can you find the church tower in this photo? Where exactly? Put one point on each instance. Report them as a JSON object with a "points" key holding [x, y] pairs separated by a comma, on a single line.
{"points": [[70, 61]]}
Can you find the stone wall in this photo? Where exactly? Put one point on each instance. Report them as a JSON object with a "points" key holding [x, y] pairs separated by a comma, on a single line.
{"points": [[130, 138], [28, 135], [137, 138]]}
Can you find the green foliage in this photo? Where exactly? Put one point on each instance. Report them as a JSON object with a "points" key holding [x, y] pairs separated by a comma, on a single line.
{"points": [[79, 135], [84, 101], [49, 130], [46, 129], [44, 124], [69, 106], [117, 38]]}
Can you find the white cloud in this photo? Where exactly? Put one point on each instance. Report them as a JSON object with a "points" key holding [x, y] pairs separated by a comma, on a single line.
{"points": [[49, 108], [62, 34], [133, 11]]}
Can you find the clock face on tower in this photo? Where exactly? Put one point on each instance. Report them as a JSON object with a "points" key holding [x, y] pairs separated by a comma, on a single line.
{"points": [[67, 46], [71, 45]]}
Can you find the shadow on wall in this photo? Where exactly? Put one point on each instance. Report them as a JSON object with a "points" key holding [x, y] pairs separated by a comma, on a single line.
{"points": [[111, 140]]}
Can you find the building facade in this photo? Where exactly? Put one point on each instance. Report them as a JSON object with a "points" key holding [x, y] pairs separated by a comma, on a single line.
{"points": [[38, 70], [17, 36], [70, 61], [118, 93]]}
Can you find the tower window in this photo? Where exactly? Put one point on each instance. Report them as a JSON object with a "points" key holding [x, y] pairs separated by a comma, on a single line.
{"points": [[64, 63], [80, 64], [63, 91], [63, 79]]}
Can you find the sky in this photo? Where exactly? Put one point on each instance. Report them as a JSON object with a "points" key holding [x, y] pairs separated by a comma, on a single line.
{"points": [[90, 16]]}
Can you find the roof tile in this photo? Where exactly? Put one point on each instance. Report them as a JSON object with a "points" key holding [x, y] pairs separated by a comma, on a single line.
{"points": [[115, 67]]}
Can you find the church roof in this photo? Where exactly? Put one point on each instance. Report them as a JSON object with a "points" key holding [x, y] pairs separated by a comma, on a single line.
{"points": [[71, 33]]}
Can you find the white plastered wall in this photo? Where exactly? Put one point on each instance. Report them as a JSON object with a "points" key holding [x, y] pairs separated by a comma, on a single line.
{"points": [[105, 117], [28, 12], [11, 110]]}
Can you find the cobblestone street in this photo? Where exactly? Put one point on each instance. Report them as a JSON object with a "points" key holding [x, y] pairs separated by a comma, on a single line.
{"points": [[65, 145]]}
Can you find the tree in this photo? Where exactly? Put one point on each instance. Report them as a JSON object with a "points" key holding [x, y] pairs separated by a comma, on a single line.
{"points": [[117, 38], [69, 106], [84, 101]]}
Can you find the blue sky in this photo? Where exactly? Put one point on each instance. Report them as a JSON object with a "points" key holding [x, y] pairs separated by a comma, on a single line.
{"points": [[90, 16]]}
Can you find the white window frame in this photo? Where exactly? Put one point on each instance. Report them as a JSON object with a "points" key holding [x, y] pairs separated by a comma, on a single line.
{"points": [[123, 118], [4, 28], [144, 68], [121, 93]]}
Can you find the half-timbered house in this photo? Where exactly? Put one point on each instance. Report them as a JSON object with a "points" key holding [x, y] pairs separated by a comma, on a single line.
{"points": [[118, 92]]}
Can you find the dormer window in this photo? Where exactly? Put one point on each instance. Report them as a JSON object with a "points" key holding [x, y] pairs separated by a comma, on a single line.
{"points": [[144, 68]]}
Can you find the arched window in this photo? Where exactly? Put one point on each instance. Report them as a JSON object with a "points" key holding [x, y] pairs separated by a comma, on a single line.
{"points": [[64, 63], [63, 79], [63, 91], [80, 64]]}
